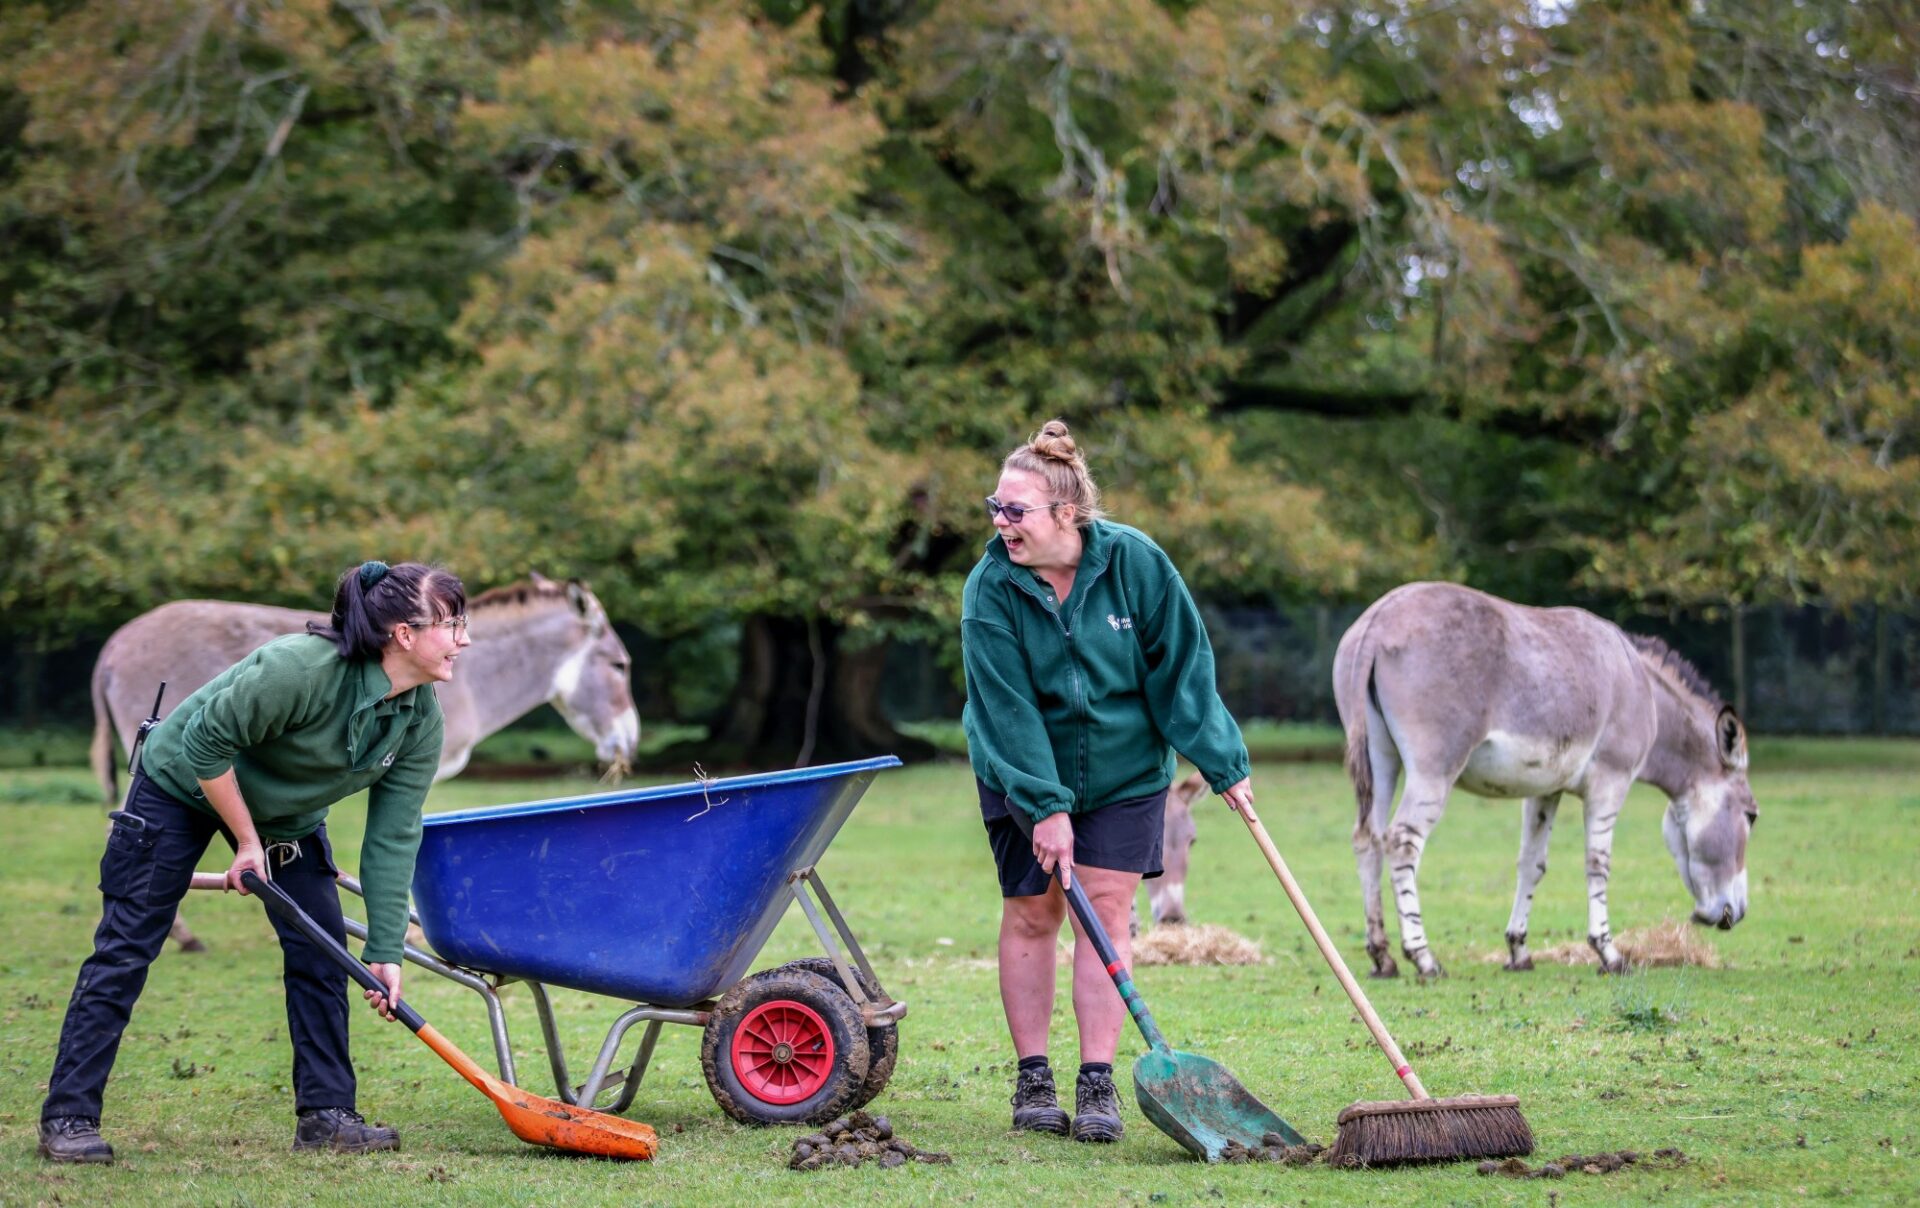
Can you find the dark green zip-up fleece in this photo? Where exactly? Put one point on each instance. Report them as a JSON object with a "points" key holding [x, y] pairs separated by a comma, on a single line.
{"points": [[1077, 704], [302, 728]]}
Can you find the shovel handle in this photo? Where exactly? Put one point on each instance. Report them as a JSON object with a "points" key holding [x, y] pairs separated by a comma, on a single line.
{"points": [[1319, 933], [277, 900], [1122, 978]]}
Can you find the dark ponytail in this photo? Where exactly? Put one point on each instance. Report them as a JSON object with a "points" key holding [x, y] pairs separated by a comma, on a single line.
{"points": [[371, 598]]}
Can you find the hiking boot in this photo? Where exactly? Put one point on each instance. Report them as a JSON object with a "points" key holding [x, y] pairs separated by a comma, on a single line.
{"points": [[1096, 1108], [1035, 1107], [74, 1139], [342, 1131]]}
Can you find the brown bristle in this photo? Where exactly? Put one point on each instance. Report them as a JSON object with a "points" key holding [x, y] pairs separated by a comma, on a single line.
{"points": [[1431, 1130]]}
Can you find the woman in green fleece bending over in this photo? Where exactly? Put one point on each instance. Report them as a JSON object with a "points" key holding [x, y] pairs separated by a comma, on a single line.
{"points": [[257, 756], [1087, 668]]}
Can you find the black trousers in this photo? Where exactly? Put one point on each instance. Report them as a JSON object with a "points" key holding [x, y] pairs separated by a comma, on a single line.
{"points": [[147, 869]]}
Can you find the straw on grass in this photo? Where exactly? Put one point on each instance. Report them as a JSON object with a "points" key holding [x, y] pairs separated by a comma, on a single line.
{"points": [[1175, 944], [1668, 944]]}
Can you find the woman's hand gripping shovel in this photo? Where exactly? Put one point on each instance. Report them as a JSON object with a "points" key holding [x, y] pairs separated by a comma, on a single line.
{"points": [[532, 1119], [1190, 1098]]}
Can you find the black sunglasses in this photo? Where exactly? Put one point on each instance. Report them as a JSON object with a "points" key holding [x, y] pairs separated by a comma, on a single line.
{"points": [[1016, 512]]}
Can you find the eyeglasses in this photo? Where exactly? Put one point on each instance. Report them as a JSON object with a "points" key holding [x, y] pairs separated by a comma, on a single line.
{"points": [[1016, 512], [457, 624]]}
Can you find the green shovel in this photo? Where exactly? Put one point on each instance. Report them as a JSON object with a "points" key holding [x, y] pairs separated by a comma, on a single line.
{"points": [[1190, 1098]]}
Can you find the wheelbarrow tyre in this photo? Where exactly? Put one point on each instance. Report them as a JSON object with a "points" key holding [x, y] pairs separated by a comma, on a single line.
{"points": [[785, 1046], [883, 1040]]}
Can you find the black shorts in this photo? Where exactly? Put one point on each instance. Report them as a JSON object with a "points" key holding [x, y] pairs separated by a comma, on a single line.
{"points": [[1123, 836]]}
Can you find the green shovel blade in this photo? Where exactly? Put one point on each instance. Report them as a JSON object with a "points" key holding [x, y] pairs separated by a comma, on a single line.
{"points": [[1195, 1101]]}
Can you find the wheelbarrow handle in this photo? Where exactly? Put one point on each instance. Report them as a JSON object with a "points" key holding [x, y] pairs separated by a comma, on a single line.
{"points": [[1122, 978], [277, 900]]}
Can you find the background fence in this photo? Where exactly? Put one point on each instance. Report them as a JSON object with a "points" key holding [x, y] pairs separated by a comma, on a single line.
{"points": [[1787, 670]]}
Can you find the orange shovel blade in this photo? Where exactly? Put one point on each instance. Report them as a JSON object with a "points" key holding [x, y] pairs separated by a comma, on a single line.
{"points": [[548, 1121]]}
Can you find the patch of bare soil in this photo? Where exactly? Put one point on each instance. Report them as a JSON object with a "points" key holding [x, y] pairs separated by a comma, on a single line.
{"points": [[1576, 1163], [856, 1140]]}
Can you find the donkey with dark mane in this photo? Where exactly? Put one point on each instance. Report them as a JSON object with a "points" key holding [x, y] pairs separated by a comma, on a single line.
{"points": [[1454, 687], [534, 642]]}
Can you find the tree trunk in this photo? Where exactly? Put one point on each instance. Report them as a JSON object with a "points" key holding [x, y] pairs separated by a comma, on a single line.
{"points": [[29, 660], [1738, 622], [802, 698], [1882, 670]]}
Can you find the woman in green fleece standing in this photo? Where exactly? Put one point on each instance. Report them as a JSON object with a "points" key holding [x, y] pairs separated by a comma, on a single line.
{"points": [[257, 756], [1087, 668]]}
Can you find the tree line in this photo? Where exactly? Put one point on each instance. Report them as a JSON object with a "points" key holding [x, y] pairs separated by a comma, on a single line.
{"points": [[731, 307]]}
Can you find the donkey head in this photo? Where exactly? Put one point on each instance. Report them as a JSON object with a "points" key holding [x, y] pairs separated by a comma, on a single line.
{"points": [[591, 688], [1709, 819], [1167, 893]]}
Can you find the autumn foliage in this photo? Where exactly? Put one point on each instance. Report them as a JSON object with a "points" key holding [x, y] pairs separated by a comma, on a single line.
{"points": [[733, 307]]}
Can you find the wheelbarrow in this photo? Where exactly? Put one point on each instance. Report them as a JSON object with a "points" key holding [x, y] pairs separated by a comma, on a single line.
{"points": [[664, 897]]}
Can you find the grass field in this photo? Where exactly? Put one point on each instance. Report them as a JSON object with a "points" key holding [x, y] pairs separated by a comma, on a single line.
{"points": [[1786, 1075]]}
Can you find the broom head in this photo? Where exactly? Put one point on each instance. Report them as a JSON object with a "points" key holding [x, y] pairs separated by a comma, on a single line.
{"points": [[1396, 1132]]}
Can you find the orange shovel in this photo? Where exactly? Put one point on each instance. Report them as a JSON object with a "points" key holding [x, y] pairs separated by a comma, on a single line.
{"points": [[532, 1119]]}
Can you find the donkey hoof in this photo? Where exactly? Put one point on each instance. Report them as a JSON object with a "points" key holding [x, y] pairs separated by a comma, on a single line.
{"points": [[1615, 966], [1423, 963], [192, 944], [1523, 965], [1382, 959]]}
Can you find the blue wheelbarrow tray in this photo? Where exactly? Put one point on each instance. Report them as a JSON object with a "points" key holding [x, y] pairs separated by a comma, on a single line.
{"points": [[656, 895]]}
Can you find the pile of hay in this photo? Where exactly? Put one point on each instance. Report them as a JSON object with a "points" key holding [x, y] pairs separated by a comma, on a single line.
{"points": [[1667, 944], [1206, 944], [1174, 944]]}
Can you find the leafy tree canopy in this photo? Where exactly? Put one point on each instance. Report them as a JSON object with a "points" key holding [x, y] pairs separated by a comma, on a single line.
{"points": [[733, 307]]}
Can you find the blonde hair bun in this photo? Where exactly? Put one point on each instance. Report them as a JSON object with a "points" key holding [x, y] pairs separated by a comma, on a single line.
{"points": [[1053, 442], [1055, 458]]}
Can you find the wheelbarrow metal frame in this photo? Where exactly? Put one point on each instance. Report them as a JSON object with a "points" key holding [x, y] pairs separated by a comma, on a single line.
{"points": [[836, 940]]}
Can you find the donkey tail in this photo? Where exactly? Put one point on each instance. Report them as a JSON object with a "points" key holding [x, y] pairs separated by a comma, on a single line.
{"points": [[1361, 698], [1369, 809], [1360, 760], [106, 764]]}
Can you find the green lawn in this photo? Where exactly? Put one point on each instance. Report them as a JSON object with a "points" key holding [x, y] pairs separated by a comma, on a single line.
{"points": [[1788, 1074]]}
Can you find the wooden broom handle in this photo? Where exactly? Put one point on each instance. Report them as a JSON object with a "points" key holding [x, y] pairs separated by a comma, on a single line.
{"points": [[1299, 900]]}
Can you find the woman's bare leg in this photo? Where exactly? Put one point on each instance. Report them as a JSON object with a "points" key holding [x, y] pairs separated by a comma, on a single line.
{"points": [[1029, 933]]}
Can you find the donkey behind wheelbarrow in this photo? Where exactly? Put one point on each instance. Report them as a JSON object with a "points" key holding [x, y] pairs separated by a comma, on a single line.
{"points": [[1460, 688], [536, 641]]}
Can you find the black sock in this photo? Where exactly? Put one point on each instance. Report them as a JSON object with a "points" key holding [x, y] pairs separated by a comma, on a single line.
{"points": [[1033, 1063], [1096, 1067]]}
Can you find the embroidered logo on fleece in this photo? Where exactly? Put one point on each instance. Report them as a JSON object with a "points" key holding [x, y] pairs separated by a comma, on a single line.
{"points": [[1119, 623]]}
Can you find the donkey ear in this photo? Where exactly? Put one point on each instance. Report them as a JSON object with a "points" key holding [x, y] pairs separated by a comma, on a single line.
{"points": [[539, 580], [579, 597], [1732, 736]]}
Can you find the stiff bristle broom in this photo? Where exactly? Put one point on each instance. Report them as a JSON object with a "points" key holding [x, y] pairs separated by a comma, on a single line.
{"points": [[1395, 1131]]}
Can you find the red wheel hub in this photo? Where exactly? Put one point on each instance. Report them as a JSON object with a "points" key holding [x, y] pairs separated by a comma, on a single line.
{"points": [[782, 1052]]}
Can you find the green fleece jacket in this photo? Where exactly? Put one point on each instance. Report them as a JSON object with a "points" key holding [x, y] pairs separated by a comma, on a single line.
{"points": [[302, 728], [1079, 703]]}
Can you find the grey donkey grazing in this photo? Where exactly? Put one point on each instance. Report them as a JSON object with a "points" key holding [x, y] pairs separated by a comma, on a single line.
{"points": [[1457, 687]]}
